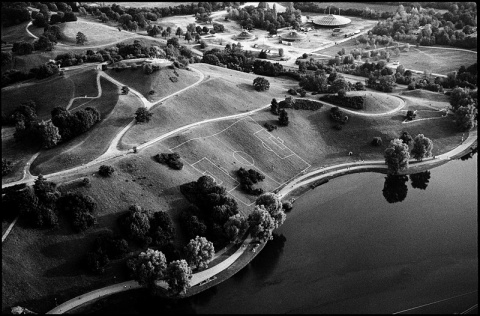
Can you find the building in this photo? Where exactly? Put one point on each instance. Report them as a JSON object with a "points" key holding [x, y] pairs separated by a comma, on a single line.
{"points": [[292, 36], [245, 35], [331, 20]]}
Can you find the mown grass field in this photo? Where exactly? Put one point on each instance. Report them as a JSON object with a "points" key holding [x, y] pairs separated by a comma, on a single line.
{"points": [[47, 94], [159, 81], [85, 83], [96, 33], [226, 93], [93, 143], [16, 33]]}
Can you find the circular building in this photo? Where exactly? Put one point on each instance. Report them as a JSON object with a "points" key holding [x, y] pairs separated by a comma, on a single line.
{"points": [[331, 21], [245, 35], [292, 36]]}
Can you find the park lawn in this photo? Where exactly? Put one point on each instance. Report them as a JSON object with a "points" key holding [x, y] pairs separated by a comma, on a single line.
{"points": [[47, 94], [85, 83], [19, 154], [93, 143], [428, 95], [376, 102], [16, 33], [159, 81], [96, 33], [440, 61], [51, 260], [218, 96]]}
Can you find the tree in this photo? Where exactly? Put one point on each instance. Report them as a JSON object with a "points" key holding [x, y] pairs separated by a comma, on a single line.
{"points": [[274, 107], [142, 115], [81, 38], [422, 147], [154, 31], [6, 166], [199, 252], [406, 138], [43, 43], [465, 117], [105, 171], [179, 32], [261, 84], [178, 276], [261, 223], [188, 37], [395, 188], [420, 180], [283, 117], [173, 41], [280, 52], [149, 267], [48, 134], [79, 208], [235, 226], [205, 30], [340, 84], [125, 89], [198, 29], [70, 17], [136, 223], [396, 156], [273, 205]]}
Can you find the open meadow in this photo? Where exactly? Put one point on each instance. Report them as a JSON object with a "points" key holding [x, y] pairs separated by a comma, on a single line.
{"points": [[116, 113], [226, 93], [161, 81]]}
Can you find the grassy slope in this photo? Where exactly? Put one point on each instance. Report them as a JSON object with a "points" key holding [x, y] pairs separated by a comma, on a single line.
{"points": [[47, 94], [85, 83], [376, 102], [93, 143], [16, 33], [158, 81], [96, 33], [221, 96], [19, 154]]}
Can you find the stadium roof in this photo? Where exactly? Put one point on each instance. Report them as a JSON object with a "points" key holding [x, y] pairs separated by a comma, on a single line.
{"points": [[332, 20]]}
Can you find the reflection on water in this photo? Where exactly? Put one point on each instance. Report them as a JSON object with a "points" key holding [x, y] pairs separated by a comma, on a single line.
{"points": [[420, 180], [395, 188]]}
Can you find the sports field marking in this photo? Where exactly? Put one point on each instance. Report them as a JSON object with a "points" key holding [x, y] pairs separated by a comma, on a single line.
{"points": [[206, 166]]}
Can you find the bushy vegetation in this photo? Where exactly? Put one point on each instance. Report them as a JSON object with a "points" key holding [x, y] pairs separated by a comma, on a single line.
{"points": [[397, 156], [105, 248], [6, 166], [248, 178], [270, 127], [353, 102], [261, 84], [213, 207], [338, 115], [106, 171], [14, 13], [142, 115], [70, 124], [172, 160], [80, 210]]}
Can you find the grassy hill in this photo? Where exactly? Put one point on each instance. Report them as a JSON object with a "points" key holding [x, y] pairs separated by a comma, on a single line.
{"points": [[47, 94], [215, 97], [94, 142], [16, 33], [377, 102], [85, 83], [159, 81]]}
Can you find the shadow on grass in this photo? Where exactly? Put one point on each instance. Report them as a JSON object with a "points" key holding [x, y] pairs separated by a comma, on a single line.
{"points": [[246, 87], [399, 118]]}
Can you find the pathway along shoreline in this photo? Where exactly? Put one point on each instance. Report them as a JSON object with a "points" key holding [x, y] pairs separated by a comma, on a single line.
{"points": [[243, 257]]}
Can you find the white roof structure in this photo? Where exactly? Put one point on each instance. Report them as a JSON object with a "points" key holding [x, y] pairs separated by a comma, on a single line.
{"points": [[245, 35], [292, 36], [332, 20]]}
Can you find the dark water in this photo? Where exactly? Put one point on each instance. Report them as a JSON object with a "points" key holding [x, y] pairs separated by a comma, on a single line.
{"points": [[345, 249]]}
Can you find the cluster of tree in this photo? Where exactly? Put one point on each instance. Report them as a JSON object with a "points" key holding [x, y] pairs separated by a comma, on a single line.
{"points": [[465, 77], [261, 84], [338, 116], [464, 105], [366, 13], [300, 91], [14, 13], [248, 178], [233, 57], [14, 75], [35, 205], [40, 18], [79, 209], [105, 171], [211, 209], [6, 166], [71, 125], [151, 266], [143, 115], [148, 227], [267, 216], [29, 129], [172, 160], [266, 18], [270, 127], [450, 28], [397, 155], [105, 248], [354, 102]]}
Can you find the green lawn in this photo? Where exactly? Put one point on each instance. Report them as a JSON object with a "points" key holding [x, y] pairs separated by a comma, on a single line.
{"points": [[47, 94], [85, 83], [16, 33], [159, 81], [93, 143]]}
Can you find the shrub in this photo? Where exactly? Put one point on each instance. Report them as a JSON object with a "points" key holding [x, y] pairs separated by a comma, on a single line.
{"points": [[283, 118], [86, 182], [341, 93], [105, 171], [6, 166], [287, 206], [248, 179], [270, 127], [79, 208], [292, 91], [411, 115], [261, 84], [172, 160], [377, 141]]}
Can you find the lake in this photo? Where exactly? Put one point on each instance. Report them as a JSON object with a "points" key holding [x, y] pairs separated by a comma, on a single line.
{"points": [[345, 249]]}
